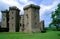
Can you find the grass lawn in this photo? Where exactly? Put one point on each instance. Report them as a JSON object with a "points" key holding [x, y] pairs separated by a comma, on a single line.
{"points": [[18, 35]]}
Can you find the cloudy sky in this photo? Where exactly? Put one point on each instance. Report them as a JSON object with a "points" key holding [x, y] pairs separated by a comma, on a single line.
{"points": [[47, 6]]}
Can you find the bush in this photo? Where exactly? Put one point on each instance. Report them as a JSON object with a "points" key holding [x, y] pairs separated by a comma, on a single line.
{"points": [[43, 31]]}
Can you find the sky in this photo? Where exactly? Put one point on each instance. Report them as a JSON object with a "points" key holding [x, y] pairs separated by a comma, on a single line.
{"points": [[46, 7]]}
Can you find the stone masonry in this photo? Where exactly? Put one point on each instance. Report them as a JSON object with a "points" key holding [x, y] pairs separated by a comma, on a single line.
{"points": [[31, 18], [42, 25], [5, 19], [28, 22], [21, 28], [13, 19]]}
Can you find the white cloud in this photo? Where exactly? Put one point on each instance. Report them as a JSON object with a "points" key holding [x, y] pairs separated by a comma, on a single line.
{"points": [[27, 2], [45, 8], [13, 3], [45, 11], [24, 1]]}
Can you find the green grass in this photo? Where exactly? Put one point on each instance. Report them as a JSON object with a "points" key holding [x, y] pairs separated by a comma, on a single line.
{"points": [[18, 35]]}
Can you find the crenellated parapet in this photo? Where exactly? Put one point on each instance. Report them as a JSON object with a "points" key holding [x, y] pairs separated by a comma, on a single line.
{"points": [[5, 11], [32, 6], [14, 8]]}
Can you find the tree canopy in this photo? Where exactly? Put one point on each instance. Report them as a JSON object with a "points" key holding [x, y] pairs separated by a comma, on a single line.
{"points": [[56, 17]]}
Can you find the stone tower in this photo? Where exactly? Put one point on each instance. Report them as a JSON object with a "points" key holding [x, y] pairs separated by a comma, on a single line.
{"points": [[42, 25], [5, 19], [13, 19], [31, 18]]}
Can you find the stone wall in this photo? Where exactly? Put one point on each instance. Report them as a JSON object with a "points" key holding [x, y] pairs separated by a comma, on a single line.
{"points": [[42, 25], [21, 28]]}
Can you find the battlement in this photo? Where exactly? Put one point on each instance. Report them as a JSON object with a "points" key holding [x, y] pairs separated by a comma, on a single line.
{"points": [[5, 11], [14, 8], [31, 6]]}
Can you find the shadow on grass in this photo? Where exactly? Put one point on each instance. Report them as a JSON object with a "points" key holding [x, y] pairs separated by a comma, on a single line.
{"points": [[58, 34]]}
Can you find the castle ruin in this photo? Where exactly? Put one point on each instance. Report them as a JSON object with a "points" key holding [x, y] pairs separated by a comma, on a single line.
{"points": [[28, 22]]}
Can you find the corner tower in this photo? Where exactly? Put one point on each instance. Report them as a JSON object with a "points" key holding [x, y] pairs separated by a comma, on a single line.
{"points": [[31, 18], [5, 19], [13, 19]]}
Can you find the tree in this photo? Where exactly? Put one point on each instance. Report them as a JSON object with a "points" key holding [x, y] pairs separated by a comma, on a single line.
{"points": [[56, 18]]}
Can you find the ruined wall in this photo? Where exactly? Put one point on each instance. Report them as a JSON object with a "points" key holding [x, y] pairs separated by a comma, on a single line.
{"points": [[21, 28], [42, 25], [28, 22]]}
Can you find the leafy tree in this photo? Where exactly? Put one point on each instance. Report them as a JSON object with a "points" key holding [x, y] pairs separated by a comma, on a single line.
{"points": [[56, 18]]}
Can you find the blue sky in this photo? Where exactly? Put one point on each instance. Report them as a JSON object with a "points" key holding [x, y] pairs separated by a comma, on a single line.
{"points": [[47, 6]]}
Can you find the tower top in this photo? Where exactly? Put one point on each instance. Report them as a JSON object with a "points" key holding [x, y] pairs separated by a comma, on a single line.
{"points": [[31, 6], [13, 8], [5, 11]]}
